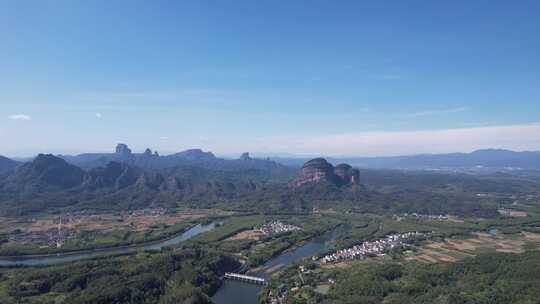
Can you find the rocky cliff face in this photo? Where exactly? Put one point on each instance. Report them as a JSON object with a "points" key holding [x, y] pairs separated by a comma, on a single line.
{"points": [[123, 150], [315, 170], [347, 174], [115, 175], [319, 170]]}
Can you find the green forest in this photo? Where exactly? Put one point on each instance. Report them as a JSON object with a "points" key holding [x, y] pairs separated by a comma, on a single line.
{"points": [[496, 278], [173, 276]]}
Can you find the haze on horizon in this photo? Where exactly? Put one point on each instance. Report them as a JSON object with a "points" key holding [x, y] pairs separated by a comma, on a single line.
{"points": [[332, 78]]}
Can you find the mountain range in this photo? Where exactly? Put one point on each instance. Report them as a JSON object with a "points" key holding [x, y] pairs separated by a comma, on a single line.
{"points": [[477, 161], [49, 182], [124, 180], [480, 160], [149, 160]]}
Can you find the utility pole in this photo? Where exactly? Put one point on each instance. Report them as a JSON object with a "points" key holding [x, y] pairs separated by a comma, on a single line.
{"points": [[59, 236]]}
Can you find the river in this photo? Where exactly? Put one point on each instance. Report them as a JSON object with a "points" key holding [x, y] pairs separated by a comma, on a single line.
{"points": [[243, 293], [68, 257], [231, 291]]}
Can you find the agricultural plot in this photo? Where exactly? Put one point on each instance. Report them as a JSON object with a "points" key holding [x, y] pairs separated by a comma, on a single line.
{"points": [[452, 250], [84, 230]]}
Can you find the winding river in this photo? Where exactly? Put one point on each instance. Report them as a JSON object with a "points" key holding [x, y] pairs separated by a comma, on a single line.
{"points": [[75, 256], [243, 293], [231, 291]]}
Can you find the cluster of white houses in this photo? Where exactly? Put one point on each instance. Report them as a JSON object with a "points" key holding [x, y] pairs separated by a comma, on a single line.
{"points": [[440, 217], [276, 227], [377, 247]]}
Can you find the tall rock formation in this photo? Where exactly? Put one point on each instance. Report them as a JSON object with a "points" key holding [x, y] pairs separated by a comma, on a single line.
{"points": [[319, 170], [147, 152], [347, 174], [123, 151], [245, 156]]}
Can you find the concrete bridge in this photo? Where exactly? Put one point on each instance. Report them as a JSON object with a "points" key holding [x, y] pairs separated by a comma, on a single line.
{"points": [[244, 278]]}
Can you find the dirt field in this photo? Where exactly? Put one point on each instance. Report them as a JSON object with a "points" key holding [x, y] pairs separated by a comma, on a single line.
{"points": [[453, 250], [323, 288], [518, 213], [136, 222], [246, 235], [104, 221], [455, 219]]}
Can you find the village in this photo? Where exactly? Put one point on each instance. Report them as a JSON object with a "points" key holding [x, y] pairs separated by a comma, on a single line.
{"points": [[373, 248], [276, 227], [305, 273], [415, 215], [54, 237]]}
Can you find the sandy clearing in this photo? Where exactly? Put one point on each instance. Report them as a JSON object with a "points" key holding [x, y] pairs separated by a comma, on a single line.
{"points": [[443, 257], [514, 213], [248, 234], [531, 236]]}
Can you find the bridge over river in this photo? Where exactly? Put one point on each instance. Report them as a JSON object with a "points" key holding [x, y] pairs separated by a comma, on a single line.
{"points": [[244, 278]]}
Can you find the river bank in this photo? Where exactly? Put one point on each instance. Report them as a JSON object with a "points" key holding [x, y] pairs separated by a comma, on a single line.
{"points": [[89, 250], [244, 293], [74, 256]]}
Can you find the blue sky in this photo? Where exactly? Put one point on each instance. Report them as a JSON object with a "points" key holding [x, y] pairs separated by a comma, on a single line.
{"points": [[300, 77]]}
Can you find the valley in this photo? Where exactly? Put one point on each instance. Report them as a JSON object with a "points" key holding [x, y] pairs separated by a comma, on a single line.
{"points": [[286, 259], [303, 232]]}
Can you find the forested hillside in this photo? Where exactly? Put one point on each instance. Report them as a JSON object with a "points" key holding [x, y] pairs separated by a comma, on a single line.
{"points": [[51, 184], [180, 276], [490, 278]]}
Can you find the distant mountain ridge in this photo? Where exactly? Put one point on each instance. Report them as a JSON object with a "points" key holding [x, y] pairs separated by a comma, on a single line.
{"points": [[194, 154], [50, 184], [480, 160], [486, 159], [149, 160], [47, 170]]}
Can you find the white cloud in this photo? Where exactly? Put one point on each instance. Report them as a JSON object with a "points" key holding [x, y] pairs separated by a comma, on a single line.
{"points": [[517, 137], [20, 117], [379, 143], [436, 112], [99, 116]]}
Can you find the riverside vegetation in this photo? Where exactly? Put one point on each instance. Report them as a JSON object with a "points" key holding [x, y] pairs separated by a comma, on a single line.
{"points": [[193, 268]]}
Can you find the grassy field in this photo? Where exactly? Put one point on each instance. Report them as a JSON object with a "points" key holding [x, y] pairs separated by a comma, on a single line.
{"points": [[230, 227], [95, 230]]}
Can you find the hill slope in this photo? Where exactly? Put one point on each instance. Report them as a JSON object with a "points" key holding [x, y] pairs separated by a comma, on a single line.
{"points": [[7, 164]]}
